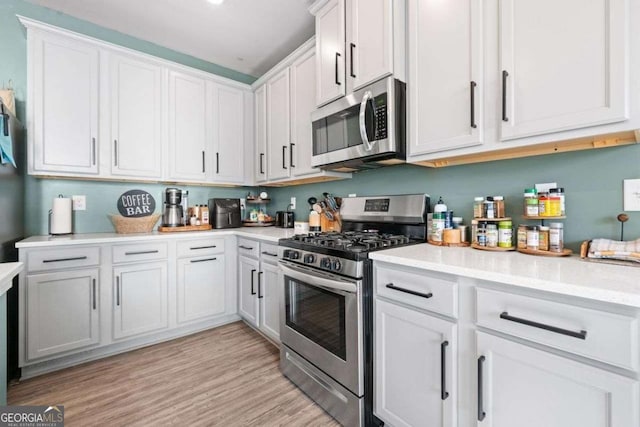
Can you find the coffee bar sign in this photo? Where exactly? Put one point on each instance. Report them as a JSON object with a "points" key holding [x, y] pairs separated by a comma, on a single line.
{"points": [[136, 203]]}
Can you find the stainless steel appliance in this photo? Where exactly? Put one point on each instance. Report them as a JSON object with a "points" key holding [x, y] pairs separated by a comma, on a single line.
{"points": [[327, 321], [173, 215], [225, 213], [284, 219], [363, 130]]}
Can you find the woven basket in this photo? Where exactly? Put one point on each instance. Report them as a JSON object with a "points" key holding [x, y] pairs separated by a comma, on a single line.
{"points": [[126, 225]]}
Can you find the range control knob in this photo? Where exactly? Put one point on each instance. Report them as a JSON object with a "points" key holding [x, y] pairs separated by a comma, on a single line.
{"points": [[325, 263], [286, 253], [336, 265], [309, 258], [294, 255]]}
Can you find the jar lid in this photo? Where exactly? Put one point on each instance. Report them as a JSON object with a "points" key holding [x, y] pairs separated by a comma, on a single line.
{"points": [[456, 219], [530, 190], [543, 193], [556, 190], [556, 225], [544, 228], [532, 227], [504, 224], [489, 199], [496, 198], [478, 199]]}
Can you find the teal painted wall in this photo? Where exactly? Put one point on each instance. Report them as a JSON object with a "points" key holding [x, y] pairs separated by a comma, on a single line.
{"points": [[101, 196], [592, 181]]}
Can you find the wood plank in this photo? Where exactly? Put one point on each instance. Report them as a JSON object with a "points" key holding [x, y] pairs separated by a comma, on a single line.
{"points": [[224, 376]]}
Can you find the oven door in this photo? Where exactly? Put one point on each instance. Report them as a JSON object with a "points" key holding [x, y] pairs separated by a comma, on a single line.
{"points": [[359, 126], [322, 322]]}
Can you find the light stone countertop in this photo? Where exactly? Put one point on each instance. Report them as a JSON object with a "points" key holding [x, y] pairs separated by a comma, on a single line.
{"points": [[8, 270], [572, 276], [270, 234]]}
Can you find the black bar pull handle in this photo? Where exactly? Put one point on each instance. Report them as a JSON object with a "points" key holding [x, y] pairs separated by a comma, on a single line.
{"points": [[203, 260], [245, 247], [253, 292], [505, 74], [291, 145], [473, 104], [117, 290], [269, 253], [93, 150], [409, 291], [155, 251], [443, 370], [115, 152], [76, 258], [284, 155], [203, 165], [337, 76], [217, 162], [260, 295], [203, 247], [481, 413], [93, 285], [261, 163], [580, 335], [352, 47]]}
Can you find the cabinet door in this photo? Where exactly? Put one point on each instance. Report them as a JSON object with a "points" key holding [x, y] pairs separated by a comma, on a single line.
{"points": [[414, 355], [187, 128], [563, 64], [524, 387], [248, 278], [201, 288], [330, 58], [136, 117], [65, 106], [445, 66], [303, 77], [369, 41], [278, 125], [62, 312], [228, 134], [261, 133], [269, 295], [139, 299]]}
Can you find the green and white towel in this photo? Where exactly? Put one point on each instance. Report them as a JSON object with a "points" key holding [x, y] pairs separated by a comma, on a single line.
{"points": [[612, 249]]}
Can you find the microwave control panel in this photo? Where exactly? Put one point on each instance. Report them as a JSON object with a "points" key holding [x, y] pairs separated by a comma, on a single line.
{"points": [[380, 112]]}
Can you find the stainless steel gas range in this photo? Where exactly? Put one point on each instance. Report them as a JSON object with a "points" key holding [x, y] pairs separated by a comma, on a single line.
{"points": [[327, 320]]}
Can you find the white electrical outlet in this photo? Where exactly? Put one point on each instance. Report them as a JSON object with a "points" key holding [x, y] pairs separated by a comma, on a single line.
{"points": [[631, 194], [79, 203], [293, 203], [352, 195]]}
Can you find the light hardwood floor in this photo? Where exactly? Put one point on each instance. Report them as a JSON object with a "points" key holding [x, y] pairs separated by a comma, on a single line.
{"points": [[226, 376]]}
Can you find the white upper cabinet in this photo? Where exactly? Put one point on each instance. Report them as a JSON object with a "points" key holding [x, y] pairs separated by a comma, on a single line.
{"points": [[189, 152], [445, 68], [330, 52], [63, 91], [357, 43], [136, 117], [303, 77], [228, 134], [260, 107], [278, 126], [369, 41], [563, 65]]}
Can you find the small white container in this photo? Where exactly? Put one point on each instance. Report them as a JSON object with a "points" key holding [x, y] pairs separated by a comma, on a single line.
{"points": [[301, 227]]}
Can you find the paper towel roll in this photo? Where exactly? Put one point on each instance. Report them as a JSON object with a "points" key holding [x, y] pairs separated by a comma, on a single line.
{"points": [[61, 216]]}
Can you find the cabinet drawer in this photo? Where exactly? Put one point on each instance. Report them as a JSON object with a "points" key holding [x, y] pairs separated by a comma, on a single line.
{"points": [[59, 258], [199, 247], [269, 253], [599, 335], [423, 289], [139, 252], [250, 248]]}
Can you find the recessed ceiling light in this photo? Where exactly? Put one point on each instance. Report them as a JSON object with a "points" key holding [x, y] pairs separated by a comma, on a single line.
{"points": [[216, 2]]}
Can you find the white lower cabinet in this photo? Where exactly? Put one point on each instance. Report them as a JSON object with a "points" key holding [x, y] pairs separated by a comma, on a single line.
{"points": [[247, 281], [139, 299], [201, 288], [63, 312], [269, 291], [525, 387], [415, 367]]}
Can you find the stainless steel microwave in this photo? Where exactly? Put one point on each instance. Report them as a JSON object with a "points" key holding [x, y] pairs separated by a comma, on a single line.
{"points": [[363, 130]]}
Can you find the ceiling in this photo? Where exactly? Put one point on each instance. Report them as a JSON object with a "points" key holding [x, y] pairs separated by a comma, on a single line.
{"points": [[249, 36]]}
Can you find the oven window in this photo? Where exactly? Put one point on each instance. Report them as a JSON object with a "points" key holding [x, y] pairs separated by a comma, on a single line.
{"points": [[317, 314]]}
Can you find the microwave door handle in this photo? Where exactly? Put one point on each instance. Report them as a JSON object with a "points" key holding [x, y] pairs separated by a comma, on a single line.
{"points": [[368, 145]]}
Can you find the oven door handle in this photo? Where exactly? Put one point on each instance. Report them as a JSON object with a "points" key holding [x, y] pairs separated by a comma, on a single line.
{"points": [[315, 280]]}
